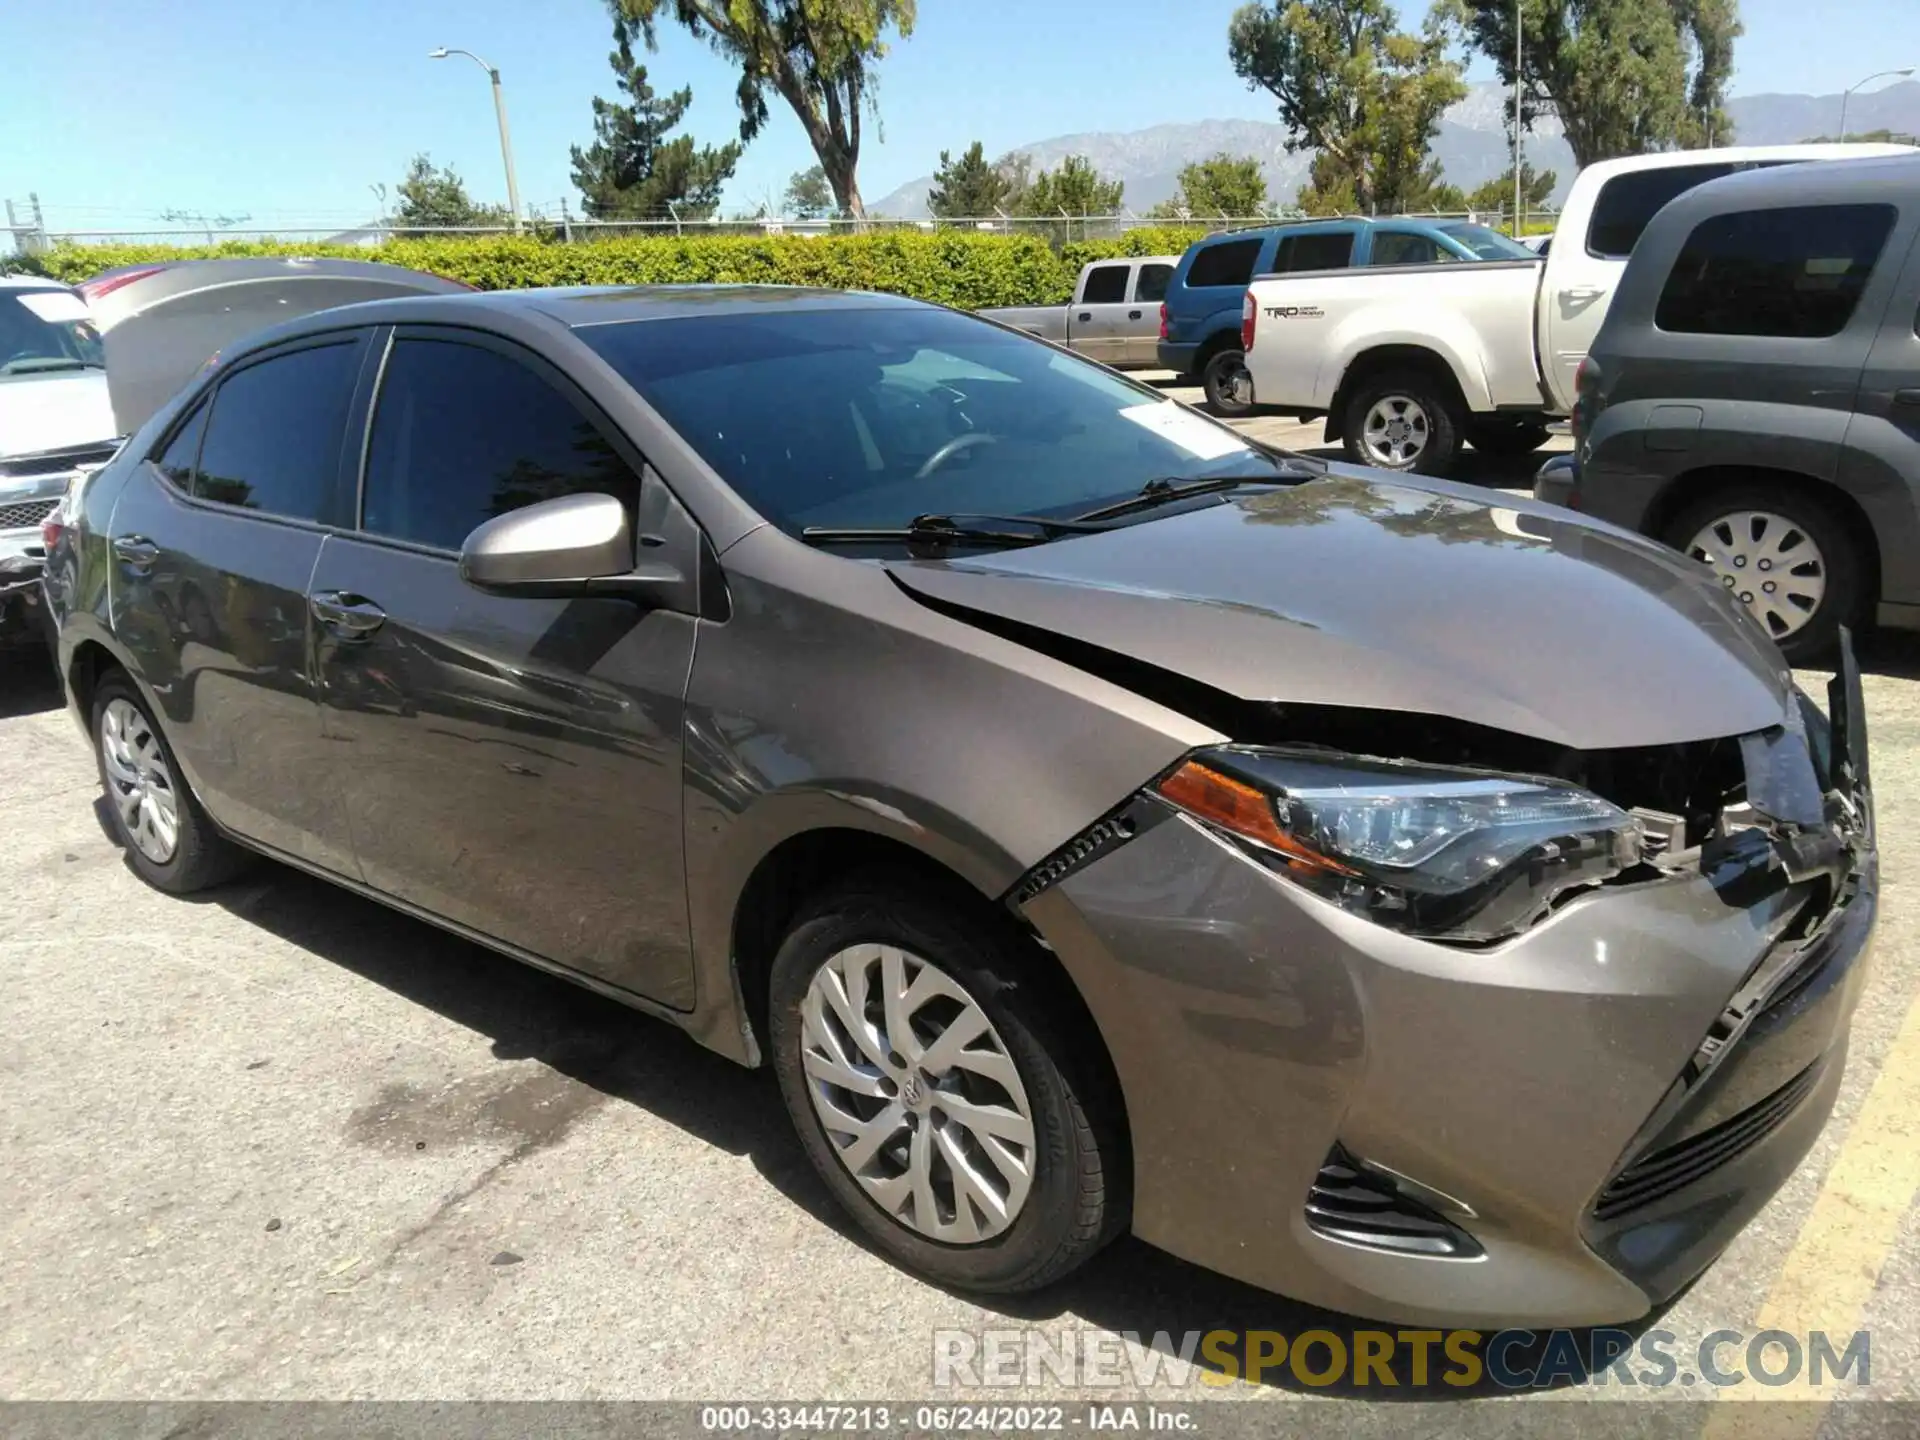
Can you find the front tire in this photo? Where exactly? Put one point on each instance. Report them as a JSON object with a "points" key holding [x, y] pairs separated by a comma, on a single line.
{"points": [[934, 1090], [168, 839], [1228, 385], [1402, 420], [1783, 554]]}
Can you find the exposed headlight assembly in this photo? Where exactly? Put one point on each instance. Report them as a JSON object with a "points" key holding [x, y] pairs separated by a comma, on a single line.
{"points": [[1458, 855]]}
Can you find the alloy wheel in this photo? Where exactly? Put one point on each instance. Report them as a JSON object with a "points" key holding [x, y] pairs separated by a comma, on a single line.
{"points": [[917, 1094], [139, 781], [1769, 563], [1396, 431]]}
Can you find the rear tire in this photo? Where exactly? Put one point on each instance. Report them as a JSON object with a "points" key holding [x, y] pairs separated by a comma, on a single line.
{"points": [[1048, 1214], [1788, 538], [168, 839], [1403, 420], [1506, 441], [1228, 385]]}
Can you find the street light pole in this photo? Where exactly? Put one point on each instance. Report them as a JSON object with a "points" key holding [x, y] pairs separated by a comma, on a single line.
{"points": [[1519, 150], [1847, 94], [499, 114]]}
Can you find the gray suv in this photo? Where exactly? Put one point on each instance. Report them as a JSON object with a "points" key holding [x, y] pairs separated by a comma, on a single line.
{"points": [[1753, 398], [1097, 822]]}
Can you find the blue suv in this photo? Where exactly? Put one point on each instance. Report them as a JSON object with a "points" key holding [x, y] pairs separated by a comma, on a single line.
{"points": [[1200, 317]]}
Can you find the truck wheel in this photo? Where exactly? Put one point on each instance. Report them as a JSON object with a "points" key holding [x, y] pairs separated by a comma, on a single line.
{"points": [[1784, 555], [1402, 420], [1506, 440], [1229, 387]]}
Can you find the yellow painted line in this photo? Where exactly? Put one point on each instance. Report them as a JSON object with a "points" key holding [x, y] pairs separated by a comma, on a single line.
{"points": [[1830, 1274]]}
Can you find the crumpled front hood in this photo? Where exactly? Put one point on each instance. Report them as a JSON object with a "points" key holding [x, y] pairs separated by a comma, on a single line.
{"points": [[1404, 595], [53, 412]]}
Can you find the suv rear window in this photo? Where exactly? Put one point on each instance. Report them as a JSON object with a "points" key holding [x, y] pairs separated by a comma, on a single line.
{"points": [[1229, 263], [1795, 272], [1627, 202]]}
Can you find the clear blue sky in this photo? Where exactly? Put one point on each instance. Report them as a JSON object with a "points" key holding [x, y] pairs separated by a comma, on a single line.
{"points": [[114, 110]]}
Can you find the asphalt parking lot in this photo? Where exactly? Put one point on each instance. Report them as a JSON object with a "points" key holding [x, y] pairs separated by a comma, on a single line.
{"points": [[280, 1143]]}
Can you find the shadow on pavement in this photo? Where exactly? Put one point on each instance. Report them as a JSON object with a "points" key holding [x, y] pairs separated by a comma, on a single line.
{"points": [[28, 684], [639, 1061]]}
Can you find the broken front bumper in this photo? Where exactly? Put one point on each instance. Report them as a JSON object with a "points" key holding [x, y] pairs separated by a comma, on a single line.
{"points": [[1562, 1129]]}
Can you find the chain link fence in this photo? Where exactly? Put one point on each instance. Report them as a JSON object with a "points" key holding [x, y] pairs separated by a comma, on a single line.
{"points": [[30, 238]]}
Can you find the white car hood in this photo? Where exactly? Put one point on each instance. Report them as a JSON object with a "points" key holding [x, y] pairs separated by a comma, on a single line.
{"points": [[54, 412]]}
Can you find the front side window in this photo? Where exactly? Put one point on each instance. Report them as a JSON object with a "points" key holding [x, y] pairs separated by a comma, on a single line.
{"points": [[462, 433], [1795, 273], [1486, 244], [1400, 248], [1230, 262], [46, 331], [1106, 285], [867, 418], [273, 438]]}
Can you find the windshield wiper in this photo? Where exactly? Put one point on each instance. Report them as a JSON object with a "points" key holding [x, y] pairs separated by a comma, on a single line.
{"points": [[1168, 488], [953, 530]]}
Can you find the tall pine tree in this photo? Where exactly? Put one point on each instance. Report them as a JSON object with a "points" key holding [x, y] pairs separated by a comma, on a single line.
{"points": [[633, 171]]}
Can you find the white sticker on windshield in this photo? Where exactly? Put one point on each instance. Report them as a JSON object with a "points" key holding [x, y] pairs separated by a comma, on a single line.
{"points": [[1193, 433], [55, 306]]}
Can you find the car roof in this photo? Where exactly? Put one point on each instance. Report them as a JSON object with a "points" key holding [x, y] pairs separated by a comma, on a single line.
{"points": [[1602, 170], [573, 307], [1882, 178]]}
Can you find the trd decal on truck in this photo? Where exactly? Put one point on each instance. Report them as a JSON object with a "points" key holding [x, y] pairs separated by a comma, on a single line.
{"points": [[1293, 312]]}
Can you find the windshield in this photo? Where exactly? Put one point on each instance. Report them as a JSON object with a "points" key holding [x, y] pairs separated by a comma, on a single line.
{"points": [[45, 331], [868, 418], [1488, 244]]}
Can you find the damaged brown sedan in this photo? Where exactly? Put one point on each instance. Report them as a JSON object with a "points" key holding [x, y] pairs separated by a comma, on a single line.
{"points": [[1426, 906]]}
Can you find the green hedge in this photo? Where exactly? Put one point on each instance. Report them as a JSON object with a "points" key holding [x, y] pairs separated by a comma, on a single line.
{"points": [[969, 270]]}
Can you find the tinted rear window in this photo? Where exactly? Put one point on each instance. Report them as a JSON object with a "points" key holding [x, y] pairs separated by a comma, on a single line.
{"points": [[1314, 252], [1796, 273], [1152, 284], [1627, 202], [273, 442], [1229, 263]]}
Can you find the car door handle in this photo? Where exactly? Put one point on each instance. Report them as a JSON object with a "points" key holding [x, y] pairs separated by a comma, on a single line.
{"points": [[348, 616], [1582, 292], [1086, 315], [1906, 397], [1133, 314], [136, 552]]}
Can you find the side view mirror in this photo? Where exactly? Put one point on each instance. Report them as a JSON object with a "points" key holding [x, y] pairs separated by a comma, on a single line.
{"points": [[556, 547]]}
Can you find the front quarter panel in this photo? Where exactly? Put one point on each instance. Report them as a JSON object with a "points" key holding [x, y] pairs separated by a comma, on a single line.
{"points": [[832, 700]]}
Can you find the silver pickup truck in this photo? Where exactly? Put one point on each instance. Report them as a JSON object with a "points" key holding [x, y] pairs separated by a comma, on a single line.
{"points": [[1114, 316]]}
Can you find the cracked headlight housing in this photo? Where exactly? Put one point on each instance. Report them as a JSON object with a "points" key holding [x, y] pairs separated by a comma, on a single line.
{"points": [[1459, 855]]}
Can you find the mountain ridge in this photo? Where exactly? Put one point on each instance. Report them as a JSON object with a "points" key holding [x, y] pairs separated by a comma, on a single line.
{"points": [[1471, 144]]}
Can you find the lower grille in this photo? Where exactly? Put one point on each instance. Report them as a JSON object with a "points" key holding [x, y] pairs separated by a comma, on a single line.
{"points": [[26, 513], [1351, 1203], [1654, 1177]]}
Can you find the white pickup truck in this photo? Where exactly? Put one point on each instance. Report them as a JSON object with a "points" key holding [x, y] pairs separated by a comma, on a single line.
{"points": [[1408, 363]]}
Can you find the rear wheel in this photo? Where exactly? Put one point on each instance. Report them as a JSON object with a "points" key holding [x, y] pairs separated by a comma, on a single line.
{"points": [[1506, 439], [1228, 384], [1783, 554], [1402, 420], [168, 839], [935, 1091]]}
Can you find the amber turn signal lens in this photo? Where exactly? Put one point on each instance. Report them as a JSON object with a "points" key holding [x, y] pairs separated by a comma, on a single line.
{"points": [[1238, 807]]}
